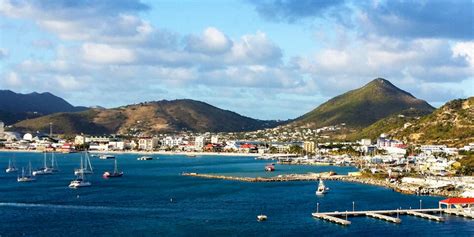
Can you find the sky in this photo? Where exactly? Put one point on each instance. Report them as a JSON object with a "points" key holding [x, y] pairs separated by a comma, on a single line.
{"points": [[268, 59]]}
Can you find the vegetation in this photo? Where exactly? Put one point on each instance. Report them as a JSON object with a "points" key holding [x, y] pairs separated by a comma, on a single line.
{"points": [[364, 106], [467, 162], [147, 118]]}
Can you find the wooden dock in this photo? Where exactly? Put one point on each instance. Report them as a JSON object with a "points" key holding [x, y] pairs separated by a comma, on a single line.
{"points": [[332, 219], [384, 217], [426, 216]]}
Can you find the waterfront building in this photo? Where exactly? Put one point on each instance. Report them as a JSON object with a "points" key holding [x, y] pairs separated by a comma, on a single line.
{"points": [[309, 147], [2, 128], [215, 139], [199, 142], [148, 143], [79, 140]]}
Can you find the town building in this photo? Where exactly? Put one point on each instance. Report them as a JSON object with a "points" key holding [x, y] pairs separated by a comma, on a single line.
{"points": [[148, 143], [309, 147]]}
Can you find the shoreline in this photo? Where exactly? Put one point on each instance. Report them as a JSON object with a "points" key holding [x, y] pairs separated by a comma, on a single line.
{"points": [[145, 153]]}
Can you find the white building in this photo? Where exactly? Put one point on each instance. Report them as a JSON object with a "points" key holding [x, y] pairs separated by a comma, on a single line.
{"points": [[428, 149], [79, 140], [199, 142], [172, 141], [2, 128], [215, 139], [148, 143], [116, 145], [28, 137], [365, 142]]}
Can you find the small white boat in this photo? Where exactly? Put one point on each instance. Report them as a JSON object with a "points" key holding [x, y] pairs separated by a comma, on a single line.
{"points": [[322, 189], [26, 178], [261, 218], [145, 158], [106, 157], [11, 167]]}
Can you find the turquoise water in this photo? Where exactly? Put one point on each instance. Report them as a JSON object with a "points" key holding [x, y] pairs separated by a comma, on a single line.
{"points": [[153, 199]]}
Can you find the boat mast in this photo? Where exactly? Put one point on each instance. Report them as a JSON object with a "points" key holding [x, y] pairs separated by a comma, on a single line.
{"points": [[115, 167], [44, 161]]}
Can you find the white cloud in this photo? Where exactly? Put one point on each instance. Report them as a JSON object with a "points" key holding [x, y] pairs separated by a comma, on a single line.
{"points": [[12, 79], [106, 54], [211, 41]]}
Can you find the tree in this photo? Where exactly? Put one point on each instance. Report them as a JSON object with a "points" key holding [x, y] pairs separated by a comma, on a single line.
{"points": [[273, 150], [295, 149]]}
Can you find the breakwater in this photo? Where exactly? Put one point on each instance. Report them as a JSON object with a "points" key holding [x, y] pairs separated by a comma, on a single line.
{"points": [[402, 188]]}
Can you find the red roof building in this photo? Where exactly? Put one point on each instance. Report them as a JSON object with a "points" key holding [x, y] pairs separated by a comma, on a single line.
{"points": [[457, 202]]}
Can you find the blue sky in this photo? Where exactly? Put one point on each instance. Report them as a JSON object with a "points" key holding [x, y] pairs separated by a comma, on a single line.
{"points": [[269, 59]]}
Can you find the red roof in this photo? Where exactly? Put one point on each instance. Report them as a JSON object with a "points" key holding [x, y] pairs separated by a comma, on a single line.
{"points": [[246, 145], [458, 201]]}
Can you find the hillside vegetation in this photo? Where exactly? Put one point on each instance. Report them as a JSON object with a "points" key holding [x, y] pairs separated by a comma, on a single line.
{"points": [[147, 118], [364, 106]]}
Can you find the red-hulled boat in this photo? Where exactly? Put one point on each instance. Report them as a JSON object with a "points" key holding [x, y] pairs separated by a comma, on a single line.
{"points": [[114, 174], [270, 168]]}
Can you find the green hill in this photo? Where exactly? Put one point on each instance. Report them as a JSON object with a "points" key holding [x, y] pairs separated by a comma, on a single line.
{"points": [[452, 124], [147, 118], [364, 106]]}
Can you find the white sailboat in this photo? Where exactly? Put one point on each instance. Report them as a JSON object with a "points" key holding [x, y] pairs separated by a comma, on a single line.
{"points": [[54, 163], [11, 167], [80, 181], [26, 178], [45, 170], [86, 166], [322, 189]]}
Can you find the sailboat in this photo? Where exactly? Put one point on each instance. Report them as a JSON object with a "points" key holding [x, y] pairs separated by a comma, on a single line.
{"points": [[54, 163], [45, 170], [11, 167], [26, 178], [80, 181], [322, 189], [86, 166], [115, 174]]}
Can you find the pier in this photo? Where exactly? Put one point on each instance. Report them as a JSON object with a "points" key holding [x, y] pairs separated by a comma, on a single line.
{"points": [[332, 219], [426, 216], [385, 215]]}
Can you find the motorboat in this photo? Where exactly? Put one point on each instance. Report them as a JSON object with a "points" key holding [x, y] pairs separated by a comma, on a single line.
{"points": [[322, 189], [261, 218], [145, 158], [106, 157]]}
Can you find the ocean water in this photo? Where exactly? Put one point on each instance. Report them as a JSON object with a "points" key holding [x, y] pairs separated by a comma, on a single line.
{"points": [[153, 199]]}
